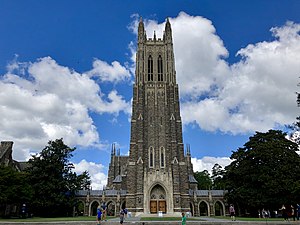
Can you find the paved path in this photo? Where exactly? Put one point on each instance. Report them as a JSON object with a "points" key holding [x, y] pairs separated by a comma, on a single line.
{"points": [[136, 221]]}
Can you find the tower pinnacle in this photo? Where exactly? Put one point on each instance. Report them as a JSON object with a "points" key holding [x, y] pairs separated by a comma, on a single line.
{"points": [[141, 31], [168, 32]]}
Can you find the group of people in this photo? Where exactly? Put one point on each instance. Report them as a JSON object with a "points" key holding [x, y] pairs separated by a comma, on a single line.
{"points": [[293, 212]]}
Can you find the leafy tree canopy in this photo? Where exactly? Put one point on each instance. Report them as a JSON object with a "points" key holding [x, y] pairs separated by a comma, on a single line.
{"points": [[53, 181], [217, 175], [203, 179], [265, 173], [14, 186], [295, 134]]}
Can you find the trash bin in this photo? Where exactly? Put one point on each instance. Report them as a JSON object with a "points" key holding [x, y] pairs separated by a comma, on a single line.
{"points": [[160, 214]]}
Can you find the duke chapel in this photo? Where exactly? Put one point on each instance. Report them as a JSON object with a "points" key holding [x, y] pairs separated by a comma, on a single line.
{"points": [[157, 175]]}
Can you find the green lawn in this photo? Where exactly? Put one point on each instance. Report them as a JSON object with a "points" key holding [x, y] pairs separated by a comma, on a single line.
{"points": [[41, 219], [248, 218], [93, 218]]}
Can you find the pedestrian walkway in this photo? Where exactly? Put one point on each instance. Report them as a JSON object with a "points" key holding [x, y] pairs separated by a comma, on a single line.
{"points": [[211, 219], [127, 219]]}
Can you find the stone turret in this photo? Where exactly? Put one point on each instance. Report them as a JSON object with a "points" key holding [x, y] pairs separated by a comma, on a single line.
{"points": [[6, 153]]}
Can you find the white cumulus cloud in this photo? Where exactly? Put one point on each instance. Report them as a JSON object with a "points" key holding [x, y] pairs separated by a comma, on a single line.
{"points": [[207, 163], [43, 101], [112, 73], [96, 172]]}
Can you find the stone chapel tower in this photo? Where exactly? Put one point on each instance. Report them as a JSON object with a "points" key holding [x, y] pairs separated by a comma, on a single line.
{"points": [[158, 172], [157, 175]]}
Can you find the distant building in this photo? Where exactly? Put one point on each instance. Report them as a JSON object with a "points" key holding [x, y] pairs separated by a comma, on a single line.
{"points": [[6, 156], [157, 176], [7, 160]]}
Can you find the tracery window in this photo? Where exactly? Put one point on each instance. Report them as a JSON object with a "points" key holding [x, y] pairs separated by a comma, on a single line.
{"points": [[160, 68], [150, 68]]}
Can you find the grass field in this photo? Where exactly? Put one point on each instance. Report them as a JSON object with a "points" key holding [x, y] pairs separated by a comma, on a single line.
{"points": [[249, 218], [93, 218], [57, 219]]}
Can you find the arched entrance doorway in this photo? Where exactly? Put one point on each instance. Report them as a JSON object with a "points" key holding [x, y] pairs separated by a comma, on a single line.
{"points": [[203, 209], [111, 209], [158, 199], [79, 208], [218, 209], [94, 207]]}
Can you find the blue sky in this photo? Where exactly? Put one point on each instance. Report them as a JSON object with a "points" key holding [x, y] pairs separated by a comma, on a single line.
{"points": [[67, 67]]}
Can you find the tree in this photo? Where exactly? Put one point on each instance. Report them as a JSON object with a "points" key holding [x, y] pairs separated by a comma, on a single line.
{"points": [[203, 179], [265, 173], [295, 127], [53, 181], [14, 187], [217, 175]]}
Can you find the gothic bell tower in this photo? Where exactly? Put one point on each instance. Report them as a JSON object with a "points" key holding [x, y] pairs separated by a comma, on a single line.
{"points": [[159, 175]]}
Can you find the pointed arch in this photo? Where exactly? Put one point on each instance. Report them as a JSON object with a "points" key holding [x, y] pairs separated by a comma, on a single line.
{"points": [[158, 198], [160, 68], [111, 208], [162, 156], [150, 68], [151, 157], [204, 208], [93, 208], [219, 208], [79, 208]]}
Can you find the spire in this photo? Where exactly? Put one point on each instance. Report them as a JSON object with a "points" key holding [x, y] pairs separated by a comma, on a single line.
{"points": [[188, 149], [113, 149], [154, 36], [168, 32], [141, 31]]}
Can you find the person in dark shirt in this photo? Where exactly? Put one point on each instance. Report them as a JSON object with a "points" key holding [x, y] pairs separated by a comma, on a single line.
{"points": [[99, 214], [122, 216]]}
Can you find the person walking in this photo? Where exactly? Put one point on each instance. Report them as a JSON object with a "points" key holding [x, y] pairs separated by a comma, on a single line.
{"points": [[122, 216], [232, 212], [298, 211], [293, 214], [99, 214], [284, 213], [104, 208], [183, 219]]}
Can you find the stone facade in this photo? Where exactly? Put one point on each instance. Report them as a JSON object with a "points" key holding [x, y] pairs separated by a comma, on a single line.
{"points": [[157, 176], [6, 156]]}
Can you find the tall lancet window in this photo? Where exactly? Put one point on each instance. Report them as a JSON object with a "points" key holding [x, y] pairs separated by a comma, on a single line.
{"points": [[162, 157], [160, 68], [150, 68], [151, 157]]}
